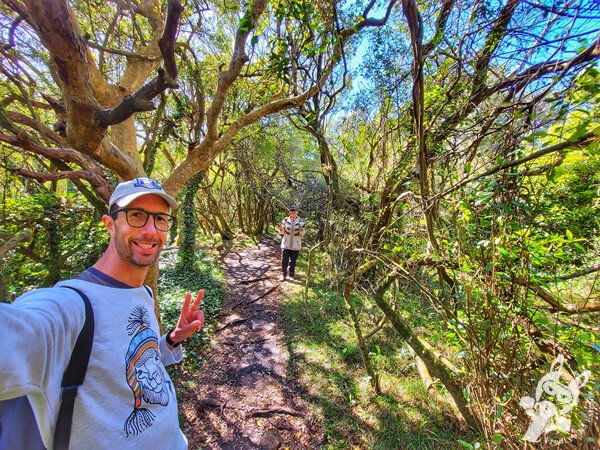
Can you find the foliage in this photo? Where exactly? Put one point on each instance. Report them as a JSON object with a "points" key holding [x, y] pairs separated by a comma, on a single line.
{"points": [[493, 253], [63, 237], [466, 150], [174, 281], [187, 251], [325, 359]]}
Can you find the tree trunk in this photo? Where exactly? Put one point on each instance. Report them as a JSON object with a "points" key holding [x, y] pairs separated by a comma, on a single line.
{"points": [[152, 282], [435, 367]]}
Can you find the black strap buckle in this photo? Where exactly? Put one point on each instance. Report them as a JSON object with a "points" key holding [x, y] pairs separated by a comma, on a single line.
{"points": [[69, 393]]}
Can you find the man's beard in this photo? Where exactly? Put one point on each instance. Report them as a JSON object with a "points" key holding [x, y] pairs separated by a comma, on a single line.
{"points": [[124, 251]]}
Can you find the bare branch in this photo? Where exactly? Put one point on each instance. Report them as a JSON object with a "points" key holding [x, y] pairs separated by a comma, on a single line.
{"points": [[167, 76], [25, 142], [138, 102], [538, 70], [11, 34], [553, 10], [7, 101], [44, 177], [107, 36], [167, 40], [57, 105], [101, 185], [519, 81], [492, 40], [238, 59], [37, 126], [117, 51]]}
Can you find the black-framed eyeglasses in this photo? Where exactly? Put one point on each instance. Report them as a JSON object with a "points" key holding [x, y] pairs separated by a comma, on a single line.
{"points": [[137, 218]]}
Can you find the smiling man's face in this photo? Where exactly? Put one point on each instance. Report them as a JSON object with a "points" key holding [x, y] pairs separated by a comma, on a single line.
{"points": [[140, 246]]}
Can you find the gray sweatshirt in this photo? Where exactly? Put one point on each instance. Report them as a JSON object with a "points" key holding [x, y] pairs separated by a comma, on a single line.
{"points": [[127, 400]]}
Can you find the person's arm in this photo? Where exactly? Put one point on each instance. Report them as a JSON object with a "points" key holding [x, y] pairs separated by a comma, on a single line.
{"points": [[37, 335], [302, 229]]}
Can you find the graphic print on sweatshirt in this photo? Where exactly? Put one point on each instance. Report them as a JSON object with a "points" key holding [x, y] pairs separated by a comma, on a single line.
{"points": [[145, 373]]}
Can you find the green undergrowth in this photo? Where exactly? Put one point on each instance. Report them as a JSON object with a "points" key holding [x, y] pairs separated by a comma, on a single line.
{"points": [[327, 363], [174, 281]]}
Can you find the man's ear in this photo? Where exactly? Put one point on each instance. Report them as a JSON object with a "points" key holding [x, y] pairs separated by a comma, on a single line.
{"points": [[109, 223]]}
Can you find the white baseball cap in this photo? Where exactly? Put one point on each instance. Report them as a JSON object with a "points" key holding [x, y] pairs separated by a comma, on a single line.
{"points": [[128, 191]]}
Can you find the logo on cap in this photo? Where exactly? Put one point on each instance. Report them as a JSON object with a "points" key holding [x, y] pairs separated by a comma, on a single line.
{"points": [[146, 183]]}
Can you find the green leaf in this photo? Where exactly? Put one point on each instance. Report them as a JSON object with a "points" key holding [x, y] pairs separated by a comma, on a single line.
{"points": [[580, 131], [533, 136], [503, 252], [499, 411], [465, 444], [569, 235]]}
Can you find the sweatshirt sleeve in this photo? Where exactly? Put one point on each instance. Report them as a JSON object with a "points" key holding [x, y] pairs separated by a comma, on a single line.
{"points": [[37, 335], [168, 356]]}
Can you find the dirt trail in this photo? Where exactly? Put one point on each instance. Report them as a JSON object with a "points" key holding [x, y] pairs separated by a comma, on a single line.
{"points": [[245, 397]]}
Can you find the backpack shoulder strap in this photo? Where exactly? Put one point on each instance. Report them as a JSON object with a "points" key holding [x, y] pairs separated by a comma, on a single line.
{"points": [[74, 376]]}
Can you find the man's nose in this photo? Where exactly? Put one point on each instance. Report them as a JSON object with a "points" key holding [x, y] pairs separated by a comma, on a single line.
{"points": [[150, 227]]}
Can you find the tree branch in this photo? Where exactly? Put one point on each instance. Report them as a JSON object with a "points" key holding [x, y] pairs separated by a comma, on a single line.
{"points": [[492, 40], [116, 51], [238, 59], [37, 126], [549, 298], [12, 243], [519, 80], [536, 71], [66, 154], [580, 273], [102, 187], [167, 41], [440, 25], [92, 171], [166, 78], [138, 102], [580, 142]]}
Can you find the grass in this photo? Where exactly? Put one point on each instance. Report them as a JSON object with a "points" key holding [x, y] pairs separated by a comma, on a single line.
{"points": [[326, 361]]}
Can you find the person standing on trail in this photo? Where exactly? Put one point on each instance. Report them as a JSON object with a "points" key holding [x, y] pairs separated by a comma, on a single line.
{"points": [[127, 399], [292, 230]]}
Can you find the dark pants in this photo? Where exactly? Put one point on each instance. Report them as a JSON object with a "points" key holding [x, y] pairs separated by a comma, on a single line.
{"points": [[289, 257]]}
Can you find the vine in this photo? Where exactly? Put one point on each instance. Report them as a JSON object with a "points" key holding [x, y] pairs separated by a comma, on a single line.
{"points": [[187, 255]]}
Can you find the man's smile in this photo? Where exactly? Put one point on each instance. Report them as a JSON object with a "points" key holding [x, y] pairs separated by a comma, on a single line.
{"points": [[145, 246]]}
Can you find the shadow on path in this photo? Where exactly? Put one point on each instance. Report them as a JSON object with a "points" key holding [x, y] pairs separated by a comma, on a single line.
{"points": [[243, 397]]}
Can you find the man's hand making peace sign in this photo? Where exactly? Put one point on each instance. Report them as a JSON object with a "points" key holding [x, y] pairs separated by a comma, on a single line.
{"points": [[190, 320]]}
